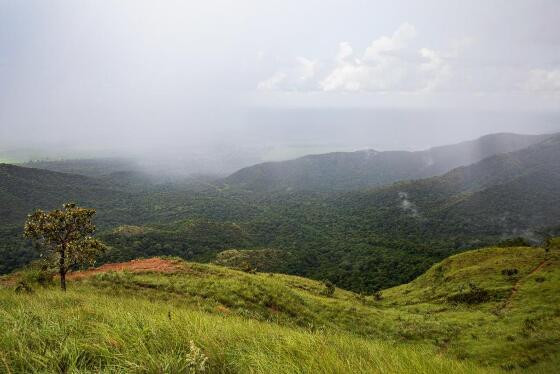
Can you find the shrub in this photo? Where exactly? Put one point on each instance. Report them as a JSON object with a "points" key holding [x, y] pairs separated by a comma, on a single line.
{"points": [[23, 287], [329, 289], [514, 242], [475, 295], [510, 272]]}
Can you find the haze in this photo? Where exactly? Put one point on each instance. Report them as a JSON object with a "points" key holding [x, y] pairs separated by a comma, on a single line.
{"points": [[219, 85]]}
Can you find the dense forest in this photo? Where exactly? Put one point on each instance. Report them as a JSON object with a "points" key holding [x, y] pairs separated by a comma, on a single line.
{"points": [[362, 240]]}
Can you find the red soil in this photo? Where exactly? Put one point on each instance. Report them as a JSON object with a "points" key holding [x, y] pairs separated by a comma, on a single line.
{"points": [[134, 266]]}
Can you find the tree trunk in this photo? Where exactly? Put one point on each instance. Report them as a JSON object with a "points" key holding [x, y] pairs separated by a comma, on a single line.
{"points": [[63, 280], [62, 269]]}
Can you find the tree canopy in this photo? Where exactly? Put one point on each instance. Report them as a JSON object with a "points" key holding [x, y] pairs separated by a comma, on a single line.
{"points": [[64, 237]]}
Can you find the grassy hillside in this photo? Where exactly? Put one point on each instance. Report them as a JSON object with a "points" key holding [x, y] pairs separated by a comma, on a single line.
{"points": [[485, 310]]}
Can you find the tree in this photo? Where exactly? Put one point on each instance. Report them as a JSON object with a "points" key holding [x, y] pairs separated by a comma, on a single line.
{"points": [[64, 237]]}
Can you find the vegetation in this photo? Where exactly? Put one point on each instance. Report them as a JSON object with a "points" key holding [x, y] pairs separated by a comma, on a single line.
{"points": [[344, 171], [359, 240], [143, 320], [64, 237]]}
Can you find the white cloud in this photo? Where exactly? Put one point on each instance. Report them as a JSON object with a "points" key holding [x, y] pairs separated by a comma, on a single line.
{"points": [[397, 64], [385, 44], [298, 77], [344, 51], [435, 70], [541, 80], [386, 65], [272, 83], [389, 63]]}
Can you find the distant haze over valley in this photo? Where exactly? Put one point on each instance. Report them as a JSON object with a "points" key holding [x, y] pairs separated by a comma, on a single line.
{"points": [[269, 134]]}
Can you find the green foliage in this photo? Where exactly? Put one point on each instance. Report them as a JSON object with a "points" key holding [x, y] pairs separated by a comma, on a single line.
{"points": [[129, 334], [514, 242], [329, 289], [64, 237], [263, 260], [510, 272], [474, 295], [360, 240]]}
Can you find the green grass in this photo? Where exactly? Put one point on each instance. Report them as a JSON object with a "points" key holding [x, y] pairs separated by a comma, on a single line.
{"points": [[272, 323], [49, 331]]}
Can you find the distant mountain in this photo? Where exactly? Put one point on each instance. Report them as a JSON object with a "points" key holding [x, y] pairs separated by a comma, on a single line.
{"points": [[23, 190], [93, 167], [362, 169], [507, 194]]}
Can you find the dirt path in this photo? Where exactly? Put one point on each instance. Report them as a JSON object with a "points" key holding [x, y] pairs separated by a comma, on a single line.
{"points": [[134, 266], [517, 284]]}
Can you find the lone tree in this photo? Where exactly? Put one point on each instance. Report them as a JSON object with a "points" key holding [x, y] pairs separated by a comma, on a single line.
{"points": [[64, 237]]}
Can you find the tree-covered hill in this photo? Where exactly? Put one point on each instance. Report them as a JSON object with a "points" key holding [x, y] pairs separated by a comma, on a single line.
{"points": [[360, 240], [356, 170], [24, 189]]}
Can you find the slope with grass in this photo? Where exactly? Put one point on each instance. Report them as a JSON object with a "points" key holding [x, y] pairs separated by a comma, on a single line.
{"points": [[480, 311]]}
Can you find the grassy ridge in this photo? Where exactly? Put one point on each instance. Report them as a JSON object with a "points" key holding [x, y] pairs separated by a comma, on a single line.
{"points": [[83, 332], [143, 322]]}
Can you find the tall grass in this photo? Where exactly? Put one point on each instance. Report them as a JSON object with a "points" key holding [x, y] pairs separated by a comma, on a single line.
{"points": [[81, 332]]}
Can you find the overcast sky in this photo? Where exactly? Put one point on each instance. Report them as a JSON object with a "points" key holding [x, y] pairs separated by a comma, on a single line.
{"points": [[151, 76]]}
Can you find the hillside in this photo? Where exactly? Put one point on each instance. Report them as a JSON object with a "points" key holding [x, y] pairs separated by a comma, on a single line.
{"points": [[360, 240], [474, 312], [356, 170], [502, 195], [88, 167], [23, 190]]}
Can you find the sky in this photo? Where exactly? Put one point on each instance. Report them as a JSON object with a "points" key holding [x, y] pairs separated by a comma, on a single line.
{"points": [[246, 80]]}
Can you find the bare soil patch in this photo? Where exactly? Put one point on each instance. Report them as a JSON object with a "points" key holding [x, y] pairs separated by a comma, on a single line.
{"points": [[135, 266]]}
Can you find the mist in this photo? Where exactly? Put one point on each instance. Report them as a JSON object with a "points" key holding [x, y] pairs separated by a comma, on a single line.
{"points": [[215, 86]]}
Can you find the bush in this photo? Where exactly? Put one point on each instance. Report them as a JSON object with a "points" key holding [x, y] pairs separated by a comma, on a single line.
{"points": [[475, 295], [329, 289], [514, 242], [510, 272], [23, 287]]}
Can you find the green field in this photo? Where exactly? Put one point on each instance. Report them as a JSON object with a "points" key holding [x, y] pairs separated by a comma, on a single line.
{"points": [[471, 313]]}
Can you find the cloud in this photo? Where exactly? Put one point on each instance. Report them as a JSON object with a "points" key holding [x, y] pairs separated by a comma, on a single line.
{"points": [[435, 70], [397, 63], [298, 77], [385, 45], [541, 80], [387, 64]]}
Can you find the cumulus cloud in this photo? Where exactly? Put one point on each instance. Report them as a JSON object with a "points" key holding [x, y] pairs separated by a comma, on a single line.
{"points": [[386, 45], [398, 63], [389, 63]]}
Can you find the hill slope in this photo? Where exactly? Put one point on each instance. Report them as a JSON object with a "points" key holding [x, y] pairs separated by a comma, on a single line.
{"points": [[23, 190], [501, 195], [142, 314], [369, 168]]}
